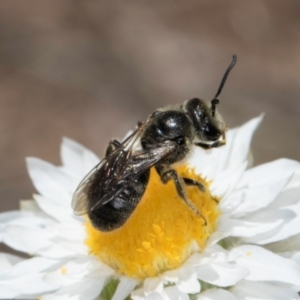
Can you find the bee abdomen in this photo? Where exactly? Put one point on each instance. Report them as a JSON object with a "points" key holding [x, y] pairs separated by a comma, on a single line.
{"points": [[115, 213]]}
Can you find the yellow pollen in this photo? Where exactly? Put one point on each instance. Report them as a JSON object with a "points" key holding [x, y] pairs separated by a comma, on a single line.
{"points": [[248, 253], [160, 233], [63, 270]]}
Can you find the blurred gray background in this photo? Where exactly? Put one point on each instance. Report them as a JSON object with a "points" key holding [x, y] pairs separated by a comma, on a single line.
{"points": [[89, 70]]}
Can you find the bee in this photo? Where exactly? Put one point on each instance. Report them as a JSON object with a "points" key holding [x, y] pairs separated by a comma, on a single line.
{"points": [[113, 189]]}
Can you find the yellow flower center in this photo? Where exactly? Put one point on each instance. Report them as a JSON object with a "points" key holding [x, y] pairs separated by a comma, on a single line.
{"points": [[160, 233]]}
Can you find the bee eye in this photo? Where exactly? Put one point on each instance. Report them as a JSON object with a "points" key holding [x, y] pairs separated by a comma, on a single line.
{"points": [[180, 140], [212, 133]]}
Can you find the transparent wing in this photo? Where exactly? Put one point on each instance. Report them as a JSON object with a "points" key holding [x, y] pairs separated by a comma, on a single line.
{"points": [[146, 158], [135, 163], [113, 174], [80, 197], [80, 204]]}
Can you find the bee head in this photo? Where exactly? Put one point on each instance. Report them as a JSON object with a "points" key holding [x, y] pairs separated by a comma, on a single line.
{"points": [[208, 127]]}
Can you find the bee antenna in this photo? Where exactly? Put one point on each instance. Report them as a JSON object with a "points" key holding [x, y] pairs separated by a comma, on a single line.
{"points": [[215, 101]]}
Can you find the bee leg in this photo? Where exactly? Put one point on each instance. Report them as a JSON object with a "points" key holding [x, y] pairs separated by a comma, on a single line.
{"points": [[167, 175], [113, 145], [192, 182], [199, 185], [203, 145], [216, 200], [209, 146], [217, 144]]}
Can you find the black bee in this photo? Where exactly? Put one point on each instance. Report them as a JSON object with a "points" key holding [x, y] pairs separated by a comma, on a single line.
{"points": [[112, 190]]}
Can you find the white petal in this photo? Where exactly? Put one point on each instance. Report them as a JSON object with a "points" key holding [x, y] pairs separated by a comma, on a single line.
{"points": [[187, 281], [212, 253], [171, 275], [73, 232], [226, 181], [59, 251], [98, 269], [154, 296], [30, 284], [221, 274], [76, 247], [60, 213], [222, 155], [216, 294], [33, 266], [7, 261], [268, 173], [42, 241], [125, 287], [81, 290], [50, 182], [258, 197], [242, 228], [175, 294], [13, 217], [29, 240], [295, 182], [29, 206], [59, 277], [7, 217], [289, 226], [287, 245], [209, 170], [242, 140], [76, 158], [70, 272], [217, 236], [153, 285], [31, 221], [247, 290], [289, 196], [295, 256], [138, 294], [265, 265], [7, 293], [203, 162]]}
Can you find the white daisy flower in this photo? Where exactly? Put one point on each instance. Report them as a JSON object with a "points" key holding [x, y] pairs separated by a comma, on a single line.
{"points": [[249, 248]]}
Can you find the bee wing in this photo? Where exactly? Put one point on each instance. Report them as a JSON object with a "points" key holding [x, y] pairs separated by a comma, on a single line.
{"points": [[146, 158], [79, 200], [132, 166], [117, 158]]}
